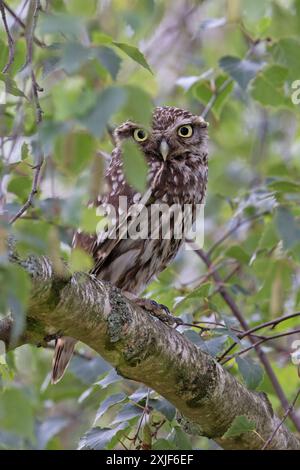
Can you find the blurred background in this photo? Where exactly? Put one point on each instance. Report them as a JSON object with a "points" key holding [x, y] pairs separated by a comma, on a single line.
{"points": [[71, 71]]}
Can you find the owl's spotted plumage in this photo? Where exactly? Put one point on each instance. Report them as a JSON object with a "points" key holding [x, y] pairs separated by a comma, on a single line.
{"points": [[177, 175]]}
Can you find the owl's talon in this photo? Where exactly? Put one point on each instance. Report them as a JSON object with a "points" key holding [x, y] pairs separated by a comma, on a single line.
{"points": [[159, 311]]}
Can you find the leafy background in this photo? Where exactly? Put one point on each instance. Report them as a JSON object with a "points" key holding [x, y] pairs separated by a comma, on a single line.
{"points": [[95, 64]]}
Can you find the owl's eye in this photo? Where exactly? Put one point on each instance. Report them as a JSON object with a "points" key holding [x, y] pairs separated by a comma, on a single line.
{"points": [[140, 135], [185, 131]]}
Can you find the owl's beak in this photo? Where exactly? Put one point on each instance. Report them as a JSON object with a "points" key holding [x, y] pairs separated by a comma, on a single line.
{"points": [[164, 149]]}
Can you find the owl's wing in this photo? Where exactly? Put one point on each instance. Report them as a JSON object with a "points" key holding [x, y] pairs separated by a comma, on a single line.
{"points": [[101, 246], [101, 251]]}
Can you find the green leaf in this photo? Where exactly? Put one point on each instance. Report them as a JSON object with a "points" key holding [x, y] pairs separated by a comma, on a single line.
{"points": [[11, 86], [3, 54], [48, 133], [215, 345], [72, 208], [134, 53], [90, 220], [181, 440], [49, 428], [268, 87], [73, 152], [128, 413], [285, 186], [100, 438], [287, 227], [88, 371], [101, 38], [286, 53], [72, 99], [241, 70], [108, 102], [24, 151], [163, 444], [108, 403], [240, 425], [147, 435], [251, 372], [164, 407], [211, 346], [109, 59], [262, 26], [238, 253], [73, 56], [80, 261], [32, 236], [16, 413], [6, 374], [203, 92], [69, 26], [139, 106], [135, 166], [198, 293], [269, 237], [108, 379], [20, 186], [75, 7]]}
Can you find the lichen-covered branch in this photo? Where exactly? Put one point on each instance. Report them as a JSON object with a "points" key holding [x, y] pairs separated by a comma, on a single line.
{"points": [[144, 349]]}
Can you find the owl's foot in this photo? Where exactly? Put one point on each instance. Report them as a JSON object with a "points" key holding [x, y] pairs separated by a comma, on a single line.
{"points": [[159, 311]]}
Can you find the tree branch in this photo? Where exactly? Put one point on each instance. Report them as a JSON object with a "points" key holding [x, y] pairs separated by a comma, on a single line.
{"points": [[144, 349], [29, 35], [21, 23], [238, 314], [11, 43], [258, 343], [290, 408], [271, 323]]}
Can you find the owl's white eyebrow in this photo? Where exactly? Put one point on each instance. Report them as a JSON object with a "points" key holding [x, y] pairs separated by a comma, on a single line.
{"points": [[183, 123]]}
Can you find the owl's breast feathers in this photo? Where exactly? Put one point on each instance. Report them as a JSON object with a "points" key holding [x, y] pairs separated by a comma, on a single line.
{"points": [[131, 263]]}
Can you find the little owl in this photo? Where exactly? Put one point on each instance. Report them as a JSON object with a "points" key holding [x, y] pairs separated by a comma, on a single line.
{"points": [[175, 150]]}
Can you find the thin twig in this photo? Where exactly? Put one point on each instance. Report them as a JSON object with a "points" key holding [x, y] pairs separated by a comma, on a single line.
{"points": [[288, 411], [34, 10], [204, 328], [238, 314], [33, 192], [272, 323], [215, 96], [36, 88], [145, 412], [258, 343], [233, 229], [22, 24], [11, 43]]}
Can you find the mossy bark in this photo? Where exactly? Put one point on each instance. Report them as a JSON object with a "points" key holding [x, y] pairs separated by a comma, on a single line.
{"points": [[144, 349]]}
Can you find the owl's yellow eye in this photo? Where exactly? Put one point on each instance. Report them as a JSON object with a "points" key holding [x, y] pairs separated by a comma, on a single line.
{"points": [[140, 135], [185, 131]]}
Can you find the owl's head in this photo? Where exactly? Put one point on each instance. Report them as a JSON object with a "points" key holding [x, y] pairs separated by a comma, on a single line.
{"points": [[175, 135]]}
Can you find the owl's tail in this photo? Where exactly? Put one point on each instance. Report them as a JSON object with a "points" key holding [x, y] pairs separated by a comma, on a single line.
{"points": [[64, 348]]}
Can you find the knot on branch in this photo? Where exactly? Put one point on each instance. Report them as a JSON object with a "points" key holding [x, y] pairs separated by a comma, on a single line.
{"points": [[190, 427]]}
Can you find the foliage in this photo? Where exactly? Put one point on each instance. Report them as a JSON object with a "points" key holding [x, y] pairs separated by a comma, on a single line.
{"points": [[96, 64]]}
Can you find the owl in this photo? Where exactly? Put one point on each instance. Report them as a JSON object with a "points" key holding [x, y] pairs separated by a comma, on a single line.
{"points": [[175, 150]]}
